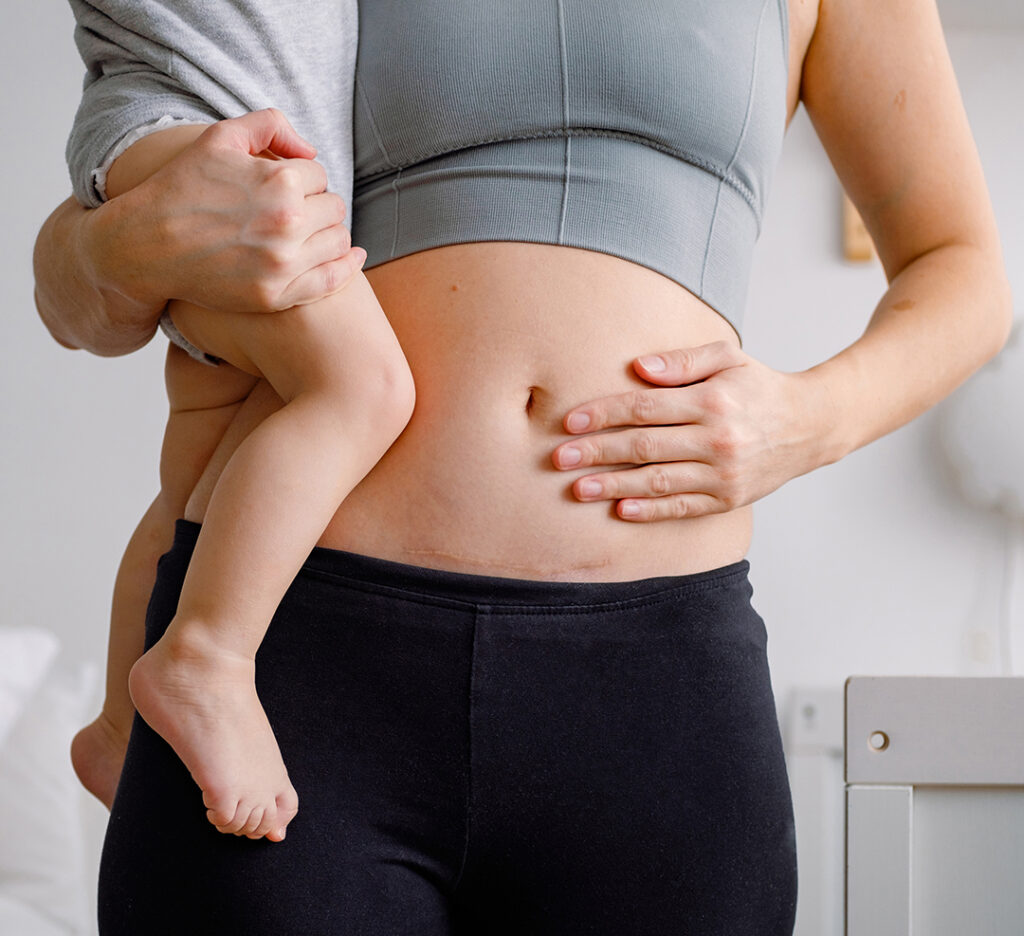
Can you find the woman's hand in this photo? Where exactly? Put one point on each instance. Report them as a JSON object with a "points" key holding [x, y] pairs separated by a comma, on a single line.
{"points": [[215, 226], [222, 229], [719, 431]]}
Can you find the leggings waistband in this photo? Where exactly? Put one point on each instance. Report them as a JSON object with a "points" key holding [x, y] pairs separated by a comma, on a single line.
{"points": [[472, 589]]}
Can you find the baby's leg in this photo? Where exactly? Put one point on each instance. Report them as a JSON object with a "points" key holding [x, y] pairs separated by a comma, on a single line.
{"points": [[97, 750], [202, 404], [348, 393]]}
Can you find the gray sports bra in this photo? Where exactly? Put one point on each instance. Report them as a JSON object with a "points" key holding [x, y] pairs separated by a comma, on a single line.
{"points": [[647, 129]]}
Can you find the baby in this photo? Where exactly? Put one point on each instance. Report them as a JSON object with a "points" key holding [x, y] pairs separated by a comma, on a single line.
{"points": [[335, 364]]}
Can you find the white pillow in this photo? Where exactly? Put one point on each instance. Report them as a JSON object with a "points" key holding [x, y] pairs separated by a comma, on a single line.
{"points": [[42, 854], [16, 919], [25, 656]]}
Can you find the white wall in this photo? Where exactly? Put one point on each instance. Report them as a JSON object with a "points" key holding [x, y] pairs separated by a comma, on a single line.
{"points": [[81, 436], [872, 565]]}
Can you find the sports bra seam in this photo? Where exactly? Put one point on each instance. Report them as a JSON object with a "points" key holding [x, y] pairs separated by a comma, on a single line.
{"points": [[373, 123], [783, 11], [783, 6], [566, 163], [733, 182], [398, 216], [739, 142]]}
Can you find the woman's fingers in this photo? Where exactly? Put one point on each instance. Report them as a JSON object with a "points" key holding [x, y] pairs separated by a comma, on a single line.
{"points": [[655, 407], [250, 234], [633, 447], [326, 236], [661, 480], [688, 365], [266, 129], [673, 507], [652, 407], [311, 175], [323, 211], [710, 440], [323, 280]]}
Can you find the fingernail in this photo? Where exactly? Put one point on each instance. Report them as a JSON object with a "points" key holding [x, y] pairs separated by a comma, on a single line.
{"points": [[570, 456], [629, 509], [655, 363], [577, 422], [360, 255], [590, 488]]}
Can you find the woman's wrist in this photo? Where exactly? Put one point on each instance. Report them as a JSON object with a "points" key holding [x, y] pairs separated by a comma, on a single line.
{"points": [[829, 436]]}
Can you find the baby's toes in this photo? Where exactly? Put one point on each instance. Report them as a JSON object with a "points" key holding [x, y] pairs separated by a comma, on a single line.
{"points": [[235, 820], [287, 807], [268, 824], [222, 811], [253, 822]]}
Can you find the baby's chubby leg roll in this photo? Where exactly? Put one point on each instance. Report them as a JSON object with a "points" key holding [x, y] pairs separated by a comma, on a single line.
{"points": [[347, 395]]}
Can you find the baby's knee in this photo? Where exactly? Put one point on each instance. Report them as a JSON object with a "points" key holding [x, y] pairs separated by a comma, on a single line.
{"points": [[389, 388], [356, 358]]}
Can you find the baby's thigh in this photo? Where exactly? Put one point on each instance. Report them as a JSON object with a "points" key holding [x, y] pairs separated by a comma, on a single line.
{"points": [[328, 344], [203, 403], [243, 419]]}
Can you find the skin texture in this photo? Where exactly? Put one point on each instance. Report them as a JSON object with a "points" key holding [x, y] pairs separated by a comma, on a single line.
{"points": [[508, 343]]}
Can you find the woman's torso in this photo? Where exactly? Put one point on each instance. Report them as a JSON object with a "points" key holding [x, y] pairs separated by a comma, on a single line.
{"points": [[503, 338]]}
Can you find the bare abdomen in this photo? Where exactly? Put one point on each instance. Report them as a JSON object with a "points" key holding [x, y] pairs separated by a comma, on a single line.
{"points": [[503, 339]]}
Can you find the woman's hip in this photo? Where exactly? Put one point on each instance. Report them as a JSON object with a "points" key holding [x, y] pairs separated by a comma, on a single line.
{"points": [[539, 750]]}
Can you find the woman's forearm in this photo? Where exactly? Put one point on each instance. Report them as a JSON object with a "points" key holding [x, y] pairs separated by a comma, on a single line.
{"points": [[943, 316], [80, 304]]}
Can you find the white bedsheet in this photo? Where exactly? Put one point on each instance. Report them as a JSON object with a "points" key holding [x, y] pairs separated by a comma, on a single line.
{"points": [[47, 867]]}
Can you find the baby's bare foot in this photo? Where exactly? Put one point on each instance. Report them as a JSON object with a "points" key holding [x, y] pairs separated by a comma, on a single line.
{"points": [[203, 702], [97, 754]]}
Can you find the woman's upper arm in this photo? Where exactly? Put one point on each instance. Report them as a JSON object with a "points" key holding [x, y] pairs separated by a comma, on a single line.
{"points": [[879, 87]]}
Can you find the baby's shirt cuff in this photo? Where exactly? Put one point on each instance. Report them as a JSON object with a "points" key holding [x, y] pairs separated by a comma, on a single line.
{"points": [[99, 174]]}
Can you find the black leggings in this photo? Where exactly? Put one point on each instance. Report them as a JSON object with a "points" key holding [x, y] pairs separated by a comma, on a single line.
{"points": [[480, 756]]}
